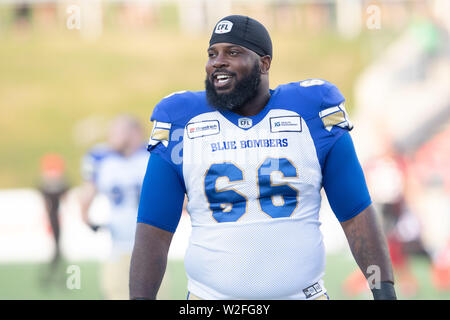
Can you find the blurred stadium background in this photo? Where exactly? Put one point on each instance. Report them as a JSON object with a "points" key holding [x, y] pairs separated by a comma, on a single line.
{"points": [[67, 67]]}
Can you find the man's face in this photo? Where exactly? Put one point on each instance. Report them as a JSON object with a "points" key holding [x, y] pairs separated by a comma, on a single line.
{"points": [[232, 75], [118, 134]]}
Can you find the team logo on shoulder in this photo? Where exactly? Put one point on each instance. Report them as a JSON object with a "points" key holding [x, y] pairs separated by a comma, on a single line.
{"points": [[160, 133], [223, 26], [312, 82], [245, 123], [286, 124], [202, 128], [335, 116]]}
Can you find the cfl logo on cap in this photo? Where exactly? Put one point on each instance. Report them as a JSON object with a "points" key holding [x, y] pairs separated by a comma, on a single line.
{"points": [[224, 26]]}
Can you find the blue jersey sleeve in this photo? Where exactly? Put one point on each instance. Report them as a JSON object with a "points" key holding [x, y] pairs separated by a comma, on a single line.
{"points": [[166, 136], [162, 195], [170, 117], [325, 114], [91, 162], [343, 180]]}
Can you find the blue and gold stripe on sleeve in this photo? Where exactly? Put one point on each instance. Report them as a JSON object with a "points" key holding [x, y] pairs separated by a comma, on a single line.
{"points": [[335, 116], [160, 133]]}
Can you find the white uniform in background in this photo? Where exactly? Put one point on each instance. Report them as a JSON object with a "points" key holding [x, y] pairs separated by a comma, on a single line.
{"points": [[119, 178]]}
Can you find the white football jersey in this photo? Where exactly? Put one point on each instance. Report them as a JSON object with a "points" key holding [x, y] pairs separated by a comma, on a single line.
{"points": [[253, 186], [120, 179]]}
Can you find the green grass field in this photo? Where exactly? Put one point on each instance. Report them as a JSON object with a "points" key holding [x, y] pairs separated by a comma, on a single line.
{"points": [[24, 281]]}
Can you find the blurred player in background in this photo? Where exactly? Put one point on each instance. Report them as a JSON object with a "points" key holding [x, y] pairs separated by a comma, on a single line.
{"points": [[53, 186], [116, 170], [22, 14]]}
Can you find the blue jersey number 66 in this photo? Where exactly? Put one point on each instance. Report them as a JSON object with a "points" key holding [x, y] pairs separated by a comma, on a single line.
{"points": [[228, 204]]}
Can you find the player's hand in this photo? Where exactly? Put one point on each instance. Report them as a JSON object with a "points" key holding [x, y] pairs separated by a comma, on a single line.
{"points": [[94, 227], [384, 291]]}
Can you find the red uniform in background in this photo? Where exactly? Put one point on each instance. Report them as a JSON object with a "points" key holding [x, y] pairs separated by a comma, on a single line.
{"points": [[53, 186]]}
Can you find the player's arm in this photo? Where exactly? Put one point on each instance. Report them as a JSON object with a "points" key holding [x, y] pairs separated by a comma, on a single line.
{"points": [[88, 190], [86, 195], [148, 261], [347, 192], [368, 245], [159, 212]]}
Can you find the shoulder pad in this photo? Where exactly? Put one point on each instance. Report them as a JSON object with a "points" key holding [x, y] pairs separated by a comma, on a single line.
{"points": [[332, 103]]}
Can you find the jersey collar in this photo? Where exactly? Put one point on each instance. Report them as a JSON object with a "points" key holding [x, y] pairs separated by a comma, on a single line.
{"points": [[234, 117]]}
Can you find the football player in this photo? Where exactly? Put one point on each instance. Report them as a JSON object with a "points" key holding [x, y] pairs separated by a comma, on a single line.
{"points": [[116, 169], [53, 186], [252, 161]]}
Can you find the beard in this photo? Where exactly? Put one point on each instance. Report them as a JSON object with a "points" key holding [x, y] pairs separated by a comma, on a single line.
{"points": [[245, 90]]}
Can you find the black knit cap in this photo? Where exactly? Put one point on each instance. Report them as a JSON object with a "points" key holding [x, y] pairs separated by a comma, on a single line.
{"points": [[243, 31]]}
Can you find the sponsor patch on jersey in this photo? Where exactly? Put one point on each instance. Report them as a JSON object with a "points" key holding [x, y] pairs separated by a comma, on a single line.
{"points": [[312, 290], [202, 129], [223, 26], [286, 124], [245, 123]]}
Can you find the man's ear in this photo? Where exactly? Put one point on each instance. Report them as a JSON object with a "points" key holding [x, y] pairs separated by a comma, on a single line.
{"points": [[264, 64]]}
